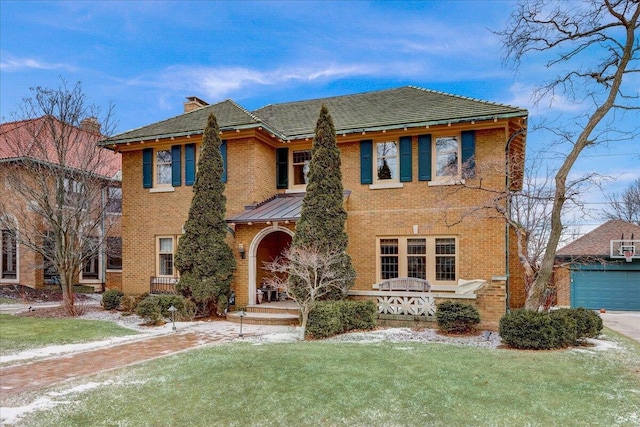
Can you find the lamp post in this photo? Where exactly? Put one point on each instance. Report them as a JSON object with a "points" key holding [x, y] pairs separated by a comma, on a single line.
{"points": [[241, 315], [173, 310]]}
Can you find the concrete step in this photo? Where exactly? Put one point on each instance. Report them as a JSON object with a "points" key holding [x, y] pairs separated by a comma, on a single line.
{"points": [[283, 313]]}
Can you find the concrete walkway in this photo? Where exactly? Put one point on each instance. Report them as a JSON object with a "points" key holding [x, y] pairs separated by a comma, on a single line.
{"points": [[625, 322]]}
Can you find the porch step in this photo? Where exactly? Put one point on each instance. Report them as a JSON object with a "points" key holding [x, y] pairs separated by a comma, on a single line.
{"points": [[268, 314]]}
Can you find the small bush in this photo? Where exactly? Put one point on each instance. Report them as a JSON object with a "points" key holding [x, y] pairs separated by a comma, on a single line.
{"points": [[329, 318], [527, 329], [129, 303], [588, 323], [456, 317], [565, 328], [111, 299], [149, 309]]}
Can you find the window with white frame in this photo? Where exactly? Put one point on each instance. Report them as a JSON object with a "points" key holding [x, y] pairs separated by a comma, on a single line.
{"points": [[387, 161], [9, 259], [165, 255], [163, 167], [429, 257], [301, 159], [447, 156]]}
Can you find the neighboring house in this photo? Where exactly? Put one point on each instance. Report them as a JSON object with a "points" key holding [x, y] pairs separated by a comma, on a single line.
{"points": [[405, 155], [32, 140], [594, 273]]}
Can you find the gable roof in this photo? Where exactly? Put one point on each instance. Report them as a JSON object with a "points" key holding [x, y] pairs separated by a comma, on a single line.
{"points": [[597, 242], [407, 106], [34, 139]]}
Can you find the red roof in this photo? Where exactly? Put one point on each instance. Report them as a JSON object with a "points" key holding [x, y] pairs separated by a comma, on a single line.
{"points": [[597, 242], [36, 139]]}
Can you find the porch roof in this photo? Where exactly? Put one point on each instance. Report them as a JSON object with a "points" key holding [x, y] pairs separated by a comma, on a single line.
{"points": [[280, 207]]}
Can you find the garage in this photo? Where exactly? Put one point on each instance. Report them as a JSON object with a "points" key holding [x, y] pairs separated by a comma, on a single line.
{"points": [[615, 288]]}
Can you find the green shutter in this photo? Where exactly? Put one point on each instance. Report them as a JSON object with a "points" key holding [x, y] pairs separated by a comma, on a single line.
{"points": [[424, 157], [468, 154], [282, 168], [223, 153], [176, 168], [189, 164], [147, 168], [366, 162], [405, 159]]}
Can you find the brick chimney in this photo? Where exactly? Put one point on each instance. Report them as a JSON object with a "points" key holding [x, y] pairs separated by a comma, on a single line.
{"points": [[193, 103], [90, 124]]}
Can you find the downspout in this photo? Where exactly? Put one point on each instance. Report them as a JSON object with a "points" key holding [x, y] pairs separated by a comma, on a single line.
{"points": [[508, 210], [103, 246]]}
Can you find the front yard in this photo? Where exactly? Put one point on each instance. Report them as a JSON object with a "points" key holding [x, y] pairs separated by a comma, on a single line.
{"points": [[341, 383]]}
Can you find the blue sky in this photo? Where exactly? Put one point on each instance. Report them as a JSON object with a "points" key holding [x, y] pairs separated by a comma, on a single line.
{"points": [[146, 57]]}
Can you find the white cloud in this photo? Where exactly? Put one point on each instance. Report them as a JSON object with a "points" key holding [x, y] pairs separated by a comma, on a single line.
{"points": [[10, 63]]}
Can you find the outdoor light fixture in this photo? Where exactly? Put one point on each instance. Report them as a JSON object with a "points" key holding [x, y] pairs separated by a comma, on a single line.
{"points": [[241, 250], [173, 310], [241, 315]]}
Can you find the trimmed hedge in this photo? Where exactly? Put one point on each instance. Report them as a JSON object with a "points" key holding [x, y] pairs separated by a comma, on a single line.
{"points": [[457, 317], [111, 299], [329, 318], [542, 331], [155, 308]]}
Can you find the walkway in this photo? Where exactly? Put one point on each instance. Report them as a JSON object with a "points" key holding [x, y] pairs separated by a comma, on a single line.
{"points": [[44, 373]]}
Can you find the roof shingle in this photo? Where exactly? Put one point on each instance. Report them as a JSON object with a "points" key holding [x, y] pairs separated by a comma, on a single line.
{"points": [[597, 242]]}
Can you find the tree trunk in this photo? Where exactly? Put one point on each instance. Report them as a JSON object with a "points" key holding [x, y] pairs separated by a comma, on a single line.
{"points": [[68, 296]]}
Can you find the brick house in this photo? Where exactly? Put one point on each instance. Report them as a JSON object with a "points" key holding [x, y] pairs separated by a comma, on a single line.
{"points": [[409, 157], [32, 140]]}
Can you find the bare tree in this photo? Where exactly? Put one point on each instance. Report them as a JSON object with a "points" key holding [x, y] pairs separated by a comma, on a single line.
{"points": [[625, 206], [57, 178], [315, 271], [596, 49]]}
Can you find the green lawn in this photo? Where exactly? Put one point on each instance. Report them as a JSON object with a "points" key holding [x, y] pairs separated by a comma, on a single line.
{"points": [[21, 333], [5, 300], [356, 384]]}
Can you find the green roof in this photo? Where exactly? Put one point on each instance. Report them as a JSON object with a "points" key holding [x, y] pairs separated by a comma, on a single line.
{"points": [[407, 106]]}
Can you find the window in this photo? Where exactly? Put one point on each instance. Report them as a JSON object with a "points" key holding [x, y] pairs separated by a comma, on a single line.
{"points": [[430, 258], [387, 161], [9, 259], [114, 200], [446, 259], [447, 156], [388, 258], [166, 248], [114, 253], [50, 270], [163, 167], [90, 268], [301, 161], [74, 196]]}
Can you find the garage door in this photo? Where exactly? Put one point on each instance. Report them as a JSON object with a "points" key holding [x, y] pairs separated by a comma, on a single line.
{"points": [[612, 290]]}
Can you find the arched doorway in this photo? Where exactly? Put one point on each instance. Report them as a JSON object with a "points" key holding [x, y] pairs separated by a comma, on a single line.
{"points": [[266, 246]]}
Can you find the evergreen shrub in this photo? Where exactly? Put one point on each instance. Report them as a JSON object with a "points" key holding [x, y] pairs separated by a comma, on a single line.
{"points": [[111, 299], [129, 303], [149, 309], [565, 327], [588, 323], [329, 318], [526, 329], [456, 317]]}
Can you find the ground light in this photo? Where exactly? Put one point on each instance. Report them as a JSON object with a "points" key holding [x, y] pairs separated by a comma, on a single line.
{"points": [[241, 315], [173, 310]]}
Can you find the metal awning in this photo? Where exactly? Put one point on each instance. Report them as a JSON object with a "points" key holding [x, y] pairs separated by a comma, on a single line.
{"points": [[281, 207]]}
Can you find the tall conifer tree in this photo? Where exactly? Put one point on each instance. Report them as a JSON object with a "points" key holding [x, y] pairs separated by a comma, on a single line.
{"points": [[323, 217], [204, 258]]}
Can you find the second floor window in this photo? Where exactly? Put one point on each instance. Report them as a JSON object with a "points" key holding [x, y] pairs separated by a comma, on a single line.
{"points": [[163, 167], [301, 161], [114, 200], [446, 158], [387, 161]]}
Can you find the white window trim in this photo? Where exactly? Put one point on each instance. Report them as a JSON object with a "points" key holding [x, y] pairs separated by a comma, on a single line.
{"points": [[99, 279], [448, 179], [156, 184], [295, 188], [430, 256], [385, 183], [174, 239]]}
